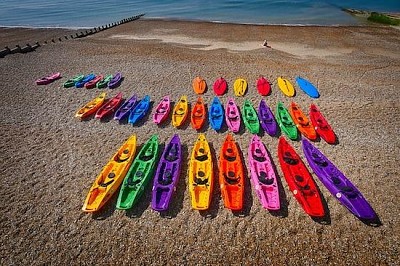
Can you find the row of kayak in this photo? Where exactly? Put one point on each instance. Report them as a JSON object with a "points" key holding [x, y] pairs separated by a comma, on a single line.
{"points": [[263, 85], [130, 174], [291, 121]]}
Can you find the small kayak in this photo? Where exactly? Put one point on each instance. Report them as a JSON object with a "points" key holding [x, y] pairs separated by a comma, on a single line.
{"points": [[125, 108], [285, 122], [232, 116], [263, 86], [307, 87], [104, 82], [301, 121], [199, 114], [71, 82], [286, 87], [180, 112], [162, 110], [240, 87], [321, 125], [48, 79], [216, 114], [91, 107], [267, 119], [199, 85], [220, 86], [115, 80], [109, 107], [86, 79], [250, 118], [91, 84], [140, 110]]}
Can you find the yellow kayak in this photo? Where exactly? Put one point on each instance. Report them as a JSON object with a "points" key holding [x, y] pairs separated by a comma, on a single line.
{"points": [[286, 87], [201, 174], [111, 177], [91, 107], [180, 111], [240, 87]]}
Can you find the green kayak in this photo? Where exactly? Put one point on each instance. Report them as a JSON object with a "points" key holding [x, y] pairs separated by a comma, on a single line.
{"points": [[71, 82], [250, 117], [285, 122], [104, 82], [139, 174]]}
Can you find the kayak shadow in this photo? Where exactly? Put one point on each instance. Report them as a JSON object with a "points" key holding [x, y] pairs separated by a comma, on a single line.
{"points": [[215, 200], [108, 209], [176, 204]]}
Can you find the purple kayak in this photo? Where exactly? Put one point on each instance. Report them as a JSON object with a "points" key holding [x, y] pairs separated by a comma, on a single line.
{"points": [[267, 119], [116, 79], [124, 110], [337, 183], [167, 175]]}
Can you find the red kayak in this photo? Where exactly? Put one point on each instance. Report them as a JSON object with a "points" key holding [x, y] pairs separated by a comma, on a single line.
{"points": [[321, 125], [220, 86], [110, 106], [299, 180], [263, 86], [91, 84]]}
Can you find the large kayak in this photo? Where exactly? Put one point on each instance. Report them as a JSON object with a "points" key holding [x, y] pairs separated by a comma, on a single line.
{"points": [[216, 114], [299, 180], [139, 174], [250, 117], [110, 178], [91, 107], [267, 119], [337, 183], [263, 176], [231, 174], [322, 126], [286, 87], [285, 122], [232, 116], [125, 108], [199, 114], [201, 174], [301, 121], [167, 175], [240, 87], [180, 112], [307, 87], [109, 107], [162, 110], [199, 85], [140, 110]]}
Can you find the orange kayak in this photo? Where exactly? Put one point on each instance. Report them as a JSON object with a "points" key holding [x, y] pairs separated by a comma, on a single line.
{"points": [[302, 122], [198, 115], [199, 85], [231, 174]]}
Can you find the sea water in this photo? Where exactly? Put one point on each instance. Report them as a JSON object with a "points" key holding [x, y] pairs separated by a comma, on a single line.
{"points": [[93, 13]]}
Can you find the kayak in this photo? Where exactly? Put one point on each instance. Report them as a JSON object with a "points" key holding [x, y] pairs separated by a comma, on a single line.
{"points": [[201, 174], [262, 175], [140, 110], [285, 122], [267, 119], [322, 127], [199, 85], [250, 118], [307, 87], [115, 80], [231, 174], [104, 82], [91, 107], [109, 107], [337, 183], [263, 86], [167, 175], [71, 82], [48, 79], [180, 112], [216, 114], [111, 177], [301, 121], [162, 110], [232, 116], [220, 86], [299, 180], [240, 87], [198, 114], [125, 108], [286, 87], [91, 84], [86, 79], [139, 175]]}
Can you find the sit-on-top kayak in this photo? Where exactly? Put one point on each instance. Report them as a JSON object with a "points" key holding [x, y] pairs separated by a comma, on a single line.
{"points": [[91, 84], [285, 122], [109, 107], [140, 110], [322, 126], [104, 82], [232, 116], [125, 108], [286, 87], [162, 110], [216, 114], [48, 79], [267, 119], [115, 80], [111, 177], [71, 82], [220, 86], [250, 117], [91, 107], [199, 85], [240, 87], [199, 114], [301, 121], [180, 112], [86, 79], [307, 87], [263, 86]]}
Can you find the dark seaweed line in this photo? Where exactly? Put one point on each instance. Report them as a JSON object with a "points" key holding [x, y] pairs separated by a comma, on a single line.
{"points": [[29, 48]]}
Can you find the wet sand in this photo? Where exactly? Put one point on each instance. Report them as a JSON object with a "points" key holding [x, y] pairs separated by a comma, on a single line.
{"points": [[49, 159]]}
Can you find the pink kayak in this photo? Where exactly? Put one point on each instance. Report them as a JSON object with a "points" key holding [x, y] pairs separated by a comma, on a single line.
{"points": [[48, 79], [263, 175], [232, 115], [162, 110]]}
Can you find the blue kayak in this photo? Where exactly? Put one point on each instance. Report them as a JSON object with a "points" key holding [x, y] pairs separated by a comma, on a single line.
{"points": [[307, 87], [140, 110], [87, 78], [216, 114]]}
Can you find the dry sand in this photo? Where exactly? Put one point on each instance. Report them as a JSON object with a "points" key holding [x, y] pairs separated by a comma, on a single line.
{"points": [[49, 159]]}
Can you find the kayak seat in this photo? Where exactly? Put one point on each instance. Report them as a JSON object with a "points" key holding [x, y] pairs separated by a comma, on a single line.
{"points": [[290, 160], [106, 184], [263, 178], [201, 158], [200, 181], [166, 179], [231, 178], [259, 158], [230, 158], [130, 182]]}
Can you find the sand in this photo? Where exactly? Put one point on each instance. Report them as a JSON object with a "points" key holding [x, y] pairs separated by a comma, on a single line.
{"points": [[49, 159]]}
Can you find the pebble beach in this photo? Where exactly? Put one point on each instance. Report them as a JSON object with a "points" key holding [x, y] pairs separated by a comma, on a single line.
{"points": [[50, 159]]}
